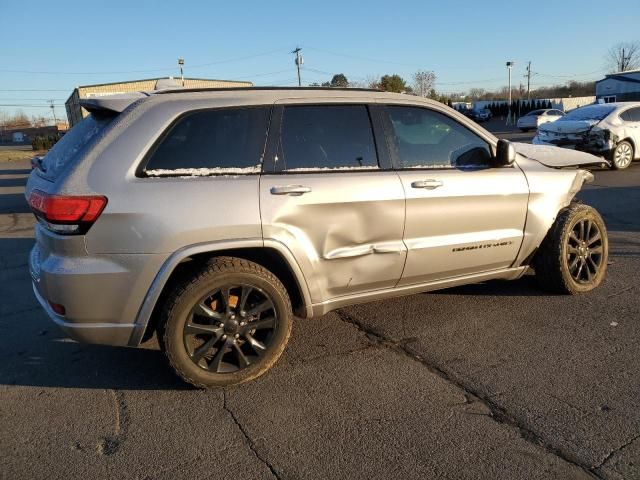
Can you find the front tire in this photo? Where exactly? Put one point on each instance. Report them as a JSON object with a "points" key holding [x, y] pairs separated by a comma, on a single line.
{"points": [[573, 256], [226, 325], [622, 155]]}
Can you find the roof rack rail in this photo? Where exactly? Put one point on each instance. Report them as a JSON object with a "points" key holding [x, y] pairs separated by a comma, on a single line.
{"points": [[224, 89]]}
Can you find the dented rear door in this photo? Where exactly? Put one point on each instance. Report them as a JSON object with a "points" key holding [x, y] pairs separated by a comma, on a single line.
{"points": [[324, 195]]}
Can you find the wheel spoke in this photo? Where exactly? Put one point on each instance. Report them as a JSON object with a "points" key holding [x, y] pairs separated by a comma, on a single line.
{"points": [[572, 250], [572, 236], [257, 346], [261, 307], [243, 297], [588, 271], [202, 309], [595, 238], [593, 264], [581, 234], [579, 271], [587, 230], [596, 250], [217, 359], [268, 322], [243, 361], [204, 348], [573, 263], [195, 329], [224, 293]]}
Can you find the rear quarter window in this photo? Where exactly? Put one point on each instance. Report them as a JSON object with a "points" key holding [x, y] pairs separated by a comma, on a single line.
{"points": [[227, 141]]}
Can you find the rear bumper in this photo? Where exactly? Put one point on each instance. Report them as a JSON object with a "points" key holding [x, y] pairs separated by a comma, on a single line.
{"points": [[117, 334], [101, 294]]}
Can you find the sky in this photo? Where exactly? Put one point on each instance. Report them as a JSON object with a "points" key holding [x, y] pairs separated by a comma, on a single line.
{"points": [[48, 48]]}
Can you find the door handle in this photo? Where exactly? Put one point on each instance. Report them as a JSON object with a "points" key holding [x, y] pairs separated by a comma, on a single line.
{"points": [[295, 190], [428, 184]]}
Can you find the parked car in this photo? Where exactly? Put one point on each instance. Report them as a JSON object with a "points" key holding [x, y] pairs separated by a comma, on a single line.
{"points": [[535, 118], [481, 115], [611, 130], [210, 217]]}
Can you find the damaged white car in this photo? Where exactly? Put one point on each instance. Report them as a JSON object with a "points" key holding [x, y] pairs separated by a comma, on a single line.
{"points": [[609, 130]]}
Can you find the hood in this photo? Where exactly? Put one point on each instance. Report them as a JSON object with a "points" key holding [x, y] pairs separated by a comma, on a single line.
{"points": [[569, 126], [556, 157]]}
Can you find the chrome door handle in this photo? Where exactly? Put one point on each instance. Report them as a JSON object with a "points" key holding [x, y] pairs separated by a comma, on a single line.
{"points": [[428, 184], [290, 190]]}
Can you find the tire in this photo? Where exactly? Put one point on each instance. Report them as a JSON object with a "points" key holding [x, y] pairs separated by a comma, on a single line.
{"points": [[622, 155], [567, 250], [206, 323]]}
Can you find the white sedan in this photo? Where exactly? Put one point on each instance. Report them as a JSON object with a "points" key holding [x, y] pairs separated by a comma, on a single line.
{"points": [[611, 130], [535, 118]]}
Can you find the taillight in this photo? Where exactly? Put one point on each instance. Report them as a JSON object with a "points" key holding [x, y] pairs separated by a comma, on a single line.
{"points": [[66, 214]]}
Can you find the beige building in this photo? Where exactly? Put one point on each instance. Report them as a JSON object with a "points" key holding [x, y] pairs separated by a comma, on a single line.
{"points": [[75, 112]]}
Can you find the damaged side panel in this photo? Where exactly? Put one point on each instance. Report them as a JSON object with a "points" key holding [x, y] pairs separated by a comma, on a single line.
{"points": [[550, 191]]}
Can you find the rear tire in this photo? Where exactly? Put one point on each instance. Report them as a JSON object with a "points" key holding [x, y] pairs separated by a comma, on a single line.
{"points": [[622, 155], [573, 256], [227, 324]]}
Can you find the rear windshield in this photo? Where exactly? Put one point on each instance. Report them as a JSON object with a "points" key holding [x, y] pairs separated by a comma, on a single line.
{"points": [[591, 112], [74, 143]]}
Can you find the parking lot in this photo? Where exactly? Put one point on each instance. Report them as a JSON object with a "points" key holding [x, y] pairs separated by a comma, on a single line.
{"points": [[495, 380]]}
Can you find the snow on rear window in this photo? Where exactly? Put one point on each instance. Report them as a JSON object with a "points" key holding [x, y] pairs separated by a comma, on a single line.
{"points": [[77, 140]]}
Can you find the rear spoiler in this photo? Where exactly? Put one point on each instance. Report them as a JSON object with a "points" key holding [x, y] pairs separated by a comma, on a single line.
{"points": [[112, 103]]}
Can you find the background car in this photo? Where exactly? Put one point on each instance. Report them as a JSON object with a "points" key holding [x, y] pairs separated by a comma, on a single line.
{"points": [[481, 115], [535, 118], [610, 130]]}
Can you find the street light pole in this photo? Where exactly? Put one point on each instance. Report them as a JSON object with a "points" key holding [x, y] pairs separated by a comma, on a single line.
{"points": [[181, 65], [509, 66]]}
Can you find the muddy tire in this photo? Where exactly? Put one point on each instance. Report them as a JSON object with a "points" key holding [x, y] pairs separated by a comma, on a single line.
{"points": [[573, 256], [227, 324], [622, 155]]}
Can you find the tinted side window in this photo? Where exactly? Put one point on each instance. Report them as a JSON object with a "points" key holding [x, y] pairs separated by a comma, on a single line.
{"points": [[219, 141], [631, 115], [326, 137], [427, 139]]}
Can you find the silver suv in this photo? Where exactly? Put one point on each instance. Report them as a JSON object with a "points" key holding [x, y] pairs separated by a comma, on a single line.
{"points": [[211, 217]]}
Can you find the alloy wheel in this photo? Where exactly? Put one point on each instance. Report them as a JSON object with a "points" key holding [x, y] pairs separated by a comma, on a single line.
{"points": [[584, 251], [622, 155], [230, 328]]}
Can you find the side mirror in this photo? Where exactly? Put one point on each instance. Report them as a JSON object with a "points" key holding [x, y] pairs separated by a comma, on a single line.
{"points": [[505, 153]]}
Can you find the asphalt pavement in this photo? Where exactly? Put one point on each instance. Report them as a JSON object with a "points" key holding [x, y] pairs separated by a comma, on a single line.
{"points": [[495, 380]]}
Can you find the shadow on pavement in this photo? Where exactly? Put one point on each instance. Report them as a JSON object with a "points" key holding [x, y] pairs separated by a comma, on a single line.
{"points": [[61, 363]]}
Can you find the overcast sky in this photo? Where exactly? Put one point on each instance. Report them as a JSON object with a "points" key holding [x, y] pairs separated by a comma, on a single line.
{"points": [[58, 45]]}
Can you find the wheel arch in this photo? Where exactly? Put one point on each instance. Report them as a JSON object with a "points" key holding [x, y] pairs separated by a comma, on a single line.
{"points": [[272, 255]]}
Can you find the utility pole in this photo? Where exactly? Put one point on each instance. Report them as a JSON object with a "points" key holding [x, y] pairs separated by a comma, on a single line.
{"points": [[299, 61], [53, 112], [529, 81], [181, 65]]}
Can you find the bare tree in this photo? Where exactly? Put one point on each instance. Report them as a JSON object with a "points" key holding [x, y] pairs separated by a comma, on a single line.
{"points": [[623, 56], [477, 93], [424, 83]]}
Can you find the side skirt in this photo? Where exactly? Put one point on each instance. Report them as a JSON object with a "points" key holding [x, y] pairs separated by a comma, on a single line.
{"points": [[325, 307]]}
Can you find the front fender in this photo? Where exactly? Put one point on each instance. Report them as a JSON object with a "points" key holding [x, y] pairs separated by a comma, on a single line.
{"points": [[550, 190]]}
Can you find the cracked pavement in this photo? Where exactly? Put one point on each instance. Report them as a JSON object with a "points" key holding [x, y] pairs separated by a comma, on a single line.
{"points": [[496, 380]]}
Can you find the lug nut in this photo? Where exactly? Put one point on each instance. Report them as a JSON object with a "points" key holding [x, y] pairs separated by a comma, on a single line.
{"points": [[224, 337], [221, 325], [242, 313], [237, 335], [233, 317], [242, 324]]}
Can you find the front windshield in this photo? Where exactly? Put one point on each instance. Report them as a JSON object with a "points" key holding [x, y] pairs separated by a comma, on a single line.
{"points": [[591, 112]]}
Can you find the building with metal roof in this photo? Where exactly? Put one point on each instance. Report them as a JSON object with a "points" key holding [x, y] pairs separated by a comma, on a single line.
{"points": [[619, 87], [75, 112]]}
